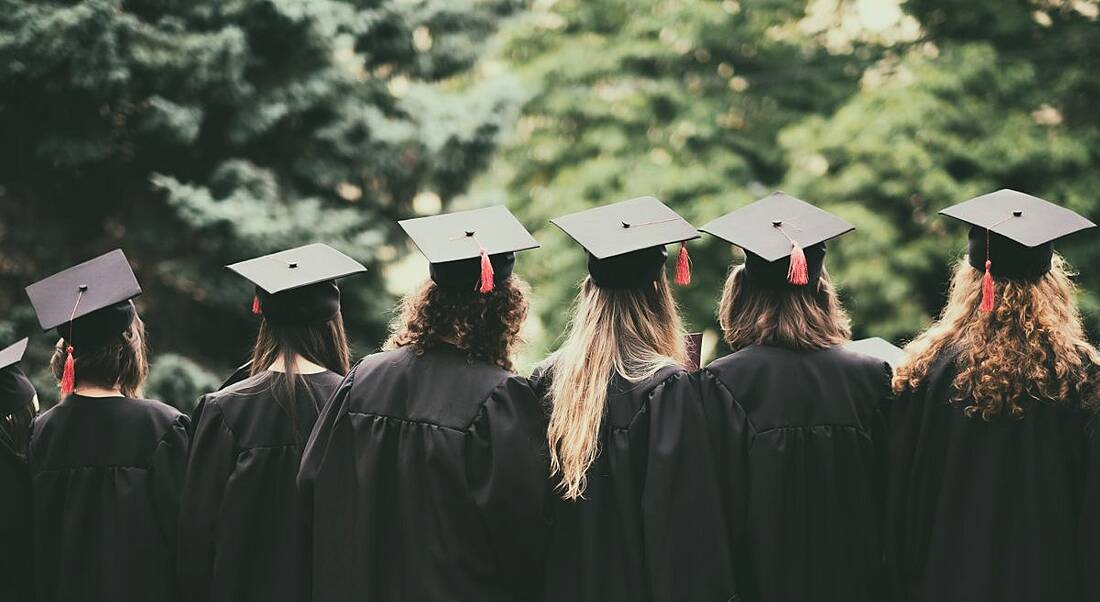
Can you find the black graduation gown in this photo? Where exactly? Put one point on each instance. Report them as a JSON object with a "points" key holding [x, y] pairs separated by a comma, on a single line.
{"points": [[242, 535], [992, 510], [800, 436], [107, 474], [650, 526], [16, 544], [426, 477]]}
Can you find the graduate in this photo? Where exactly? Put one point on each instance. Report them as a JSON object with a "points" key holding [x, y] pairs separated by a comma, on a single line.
{"points": [[995, 455], [797, 417], [18, 405], [636, 509], [242, 532], [426, 472], [106, 465]]}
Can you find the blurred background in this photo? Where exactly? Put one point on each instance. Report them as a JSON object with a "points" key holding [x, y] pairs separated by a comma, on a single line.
{"points": [[195, 133]]}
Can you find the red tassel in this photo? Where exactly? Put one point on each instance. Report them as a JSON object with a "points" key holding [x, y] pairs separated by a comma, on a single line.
{"points": [[798, 272], [256, 305], [987, 289], [68, 375], [486, 285], [683, 266]]}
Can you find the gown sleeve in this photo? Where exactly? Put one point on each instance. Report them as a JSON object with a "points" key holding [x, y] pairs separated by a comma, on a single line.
{"points": [[508, 475], [213, 457], [1090, 513], [166, 476], [687, 546], [731, 435], [330, 424]]}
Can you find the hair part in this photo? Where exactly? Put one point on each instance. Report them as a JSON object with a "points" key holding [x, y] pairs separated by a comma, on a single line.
{"points": [[122, 363], [632, 333], [485, 326], [1032, 344], [794, 317]]}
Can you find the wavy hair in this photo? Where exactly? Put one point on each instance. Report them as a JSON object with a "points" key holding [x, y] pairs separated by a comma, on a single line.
{"points": [[1031, 344], [802, 318], [485, 326], [629, 332]]}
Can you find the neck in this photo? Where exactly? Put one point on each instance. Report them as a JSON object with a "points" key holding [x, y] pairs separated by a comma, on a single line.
{"points": [[97, 391], [301, 366]]}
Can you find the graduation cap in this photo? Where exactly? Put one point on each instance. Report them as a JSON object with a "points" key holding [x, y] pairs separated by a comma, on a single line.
{"points": [[626, 241], [470, 250], [783, 238], [297, 287], [89, 304], [1012, 235], [878, 348], [16, 390]]}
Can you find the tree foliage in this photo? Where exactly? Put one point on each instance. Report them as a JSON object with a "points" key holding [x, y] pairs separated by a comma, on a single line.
{"points": [[196, 133]]}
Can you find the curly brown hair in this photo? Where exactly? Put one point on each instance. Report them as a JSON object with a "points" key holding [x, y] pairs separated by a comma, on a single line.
{"points": [[1031, 344], [801, 318], [485, 326]]}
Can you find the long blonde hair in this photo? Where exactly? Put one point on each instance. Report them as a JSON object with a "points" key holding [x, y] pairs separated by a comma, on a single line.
{"points": [[630, 332], [803, 318], [1032, 343]]}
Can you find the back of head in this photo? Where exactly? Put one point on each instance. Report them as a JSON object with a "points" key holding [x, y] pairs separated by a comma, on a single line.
{"points": [[486, 326], [1031, 344], [117, 361], [760, 311], [626, 332]]}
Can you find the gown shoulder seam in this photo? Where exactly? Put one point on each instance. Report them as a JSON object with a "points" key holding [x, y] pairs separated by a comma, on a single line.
{"points": [[406, 420]]}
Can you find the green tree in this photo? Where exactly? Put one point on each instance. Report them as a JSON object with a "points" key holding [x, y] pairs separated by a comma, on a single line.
{"points": [[683, 99], [196, 133], [994, 95]]}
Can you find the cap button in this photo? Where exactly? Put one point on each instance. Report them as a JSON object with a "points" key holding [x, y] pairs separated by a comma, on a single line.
{"points": [[293, 264], [83, 287], [626, 225], [469, 233], [1017, 213], [777, 223]]}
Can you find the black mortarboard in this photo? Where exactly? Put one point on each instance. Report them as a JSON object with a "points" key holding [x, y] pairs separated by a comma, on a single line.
{"points": [[470, 250], [877, 348], [626, 241], [1012, 235], [778, 227], [297, 287], [89, 304], [16, 390]]}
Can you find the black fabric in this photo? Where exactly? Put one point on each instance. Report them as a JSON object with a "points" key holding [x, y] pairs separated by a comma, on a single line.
{"points": [[774, 273], [107, 474], [16, 390], [465, 274], [99, 328], [16, 518], [800, 443], [426, 479], [242, 534], [1003, 510], [1009, 259], [650, 526], [629, 270], [308, 305]]}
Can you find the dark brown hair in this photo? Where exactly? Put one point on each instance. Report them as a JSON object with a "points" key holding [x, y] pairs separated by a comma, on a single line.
{"points": [[485, 326], [795, 317], [323, 344], [1031, 344], [122, 363]]}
